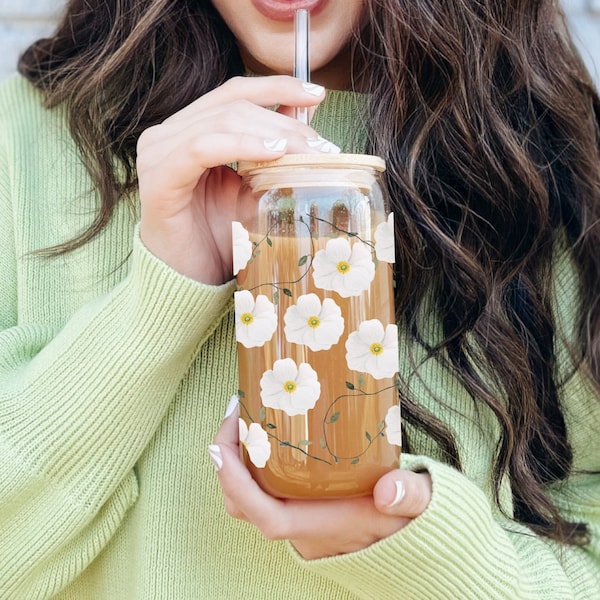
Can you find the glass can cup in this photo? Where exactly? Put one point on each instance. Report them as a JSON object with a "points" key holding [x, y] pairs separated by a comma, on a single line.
{"points": [[313, 254]]}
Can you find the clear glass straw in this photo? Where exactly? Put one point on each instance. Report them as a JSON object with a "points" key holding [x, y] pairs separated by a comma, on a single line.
{"points": [[301, 54]]}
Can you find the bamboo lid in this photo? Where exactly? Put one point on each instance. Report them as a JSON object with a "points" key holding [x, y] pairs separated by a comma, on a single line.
{"points": [[315, 160]]}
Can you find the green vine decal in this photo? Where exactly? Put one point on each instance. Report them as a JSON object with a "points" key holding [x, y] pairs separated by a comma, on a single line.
{"points": [[270, 427]]}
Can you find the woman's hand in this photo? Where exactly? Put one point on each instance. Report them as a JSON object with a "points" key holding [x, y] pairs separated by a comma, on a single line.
{"points": [[317, 528], [188, 198]]}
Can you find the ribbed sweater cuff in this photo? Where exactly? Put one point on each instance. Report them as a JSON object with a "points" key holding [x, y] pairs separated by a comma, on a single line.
{"points": [[453, 550]]}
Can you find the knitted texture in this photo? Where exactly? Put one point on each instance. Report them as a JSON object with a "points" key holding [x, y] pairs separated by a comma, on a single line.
{"points": [[115, 372]]}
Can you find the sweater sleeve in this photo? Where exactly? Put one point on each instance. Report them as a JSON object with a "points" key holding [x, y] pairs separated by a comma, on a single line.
{"points": [[79, 404], [460, 548]]}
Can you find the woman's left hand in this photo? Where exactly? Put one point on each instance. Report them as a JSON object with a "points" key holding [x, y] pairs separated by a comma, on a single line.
{"points": [[317, 528]]}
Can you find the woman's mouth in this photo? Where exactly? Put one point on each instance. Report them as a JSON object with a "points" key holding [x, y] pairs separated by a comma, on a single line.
{"points": [[282, 10]]}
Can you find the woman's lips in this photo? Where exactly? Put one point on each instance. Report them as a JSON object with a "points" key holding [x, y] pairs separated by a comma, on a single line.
{"points": [[280, 10]]}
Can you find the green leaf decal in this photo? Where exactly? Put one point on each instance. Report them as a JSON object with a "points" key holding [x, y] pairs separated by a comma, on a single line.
{"points": [[334, 417], [241, 394], [355, 461], [349, 385], [303, 260], [304, 443], [287, 292], [262, 415], [368, 435], [271, 426], [269, 241]]}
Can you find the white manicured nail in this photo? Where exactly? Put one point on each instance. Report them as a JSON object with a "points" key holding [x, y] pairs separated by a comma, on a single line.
{"points": [[331, 148], [232, 406], [313, 88], [276, 145], [400, 492], [316, 142], [215, 455], [322, 145]]}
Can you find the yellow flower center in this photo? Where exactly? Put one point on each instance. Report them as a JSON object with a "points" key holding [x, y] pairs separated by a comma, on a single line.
{"points": [[289, 387], [313, 322], [343, 267], [247, 318], [376, 348]]}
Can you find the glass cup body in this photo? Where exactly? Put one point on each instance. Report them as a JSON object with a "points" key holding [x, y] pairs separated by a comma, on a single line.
{"points": [[315, 326]]}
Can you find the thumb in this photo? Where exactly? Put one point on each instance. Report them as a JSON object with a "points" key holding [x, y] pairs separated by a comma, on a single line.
{"points": [[403, 493], [228, 434]]}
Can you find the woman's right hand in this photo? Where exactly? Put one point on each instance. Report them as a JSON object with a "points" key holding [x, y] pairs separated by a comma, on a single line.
{"points": [[188, 197]]}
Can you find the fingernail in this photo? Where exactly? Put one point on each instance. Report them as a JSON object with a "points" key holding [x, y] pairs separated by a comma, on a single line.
{"points": [[313, 88], [276, 145], [215, 455], [322, 145], [400, 491], [330, 148], [232, 406]]}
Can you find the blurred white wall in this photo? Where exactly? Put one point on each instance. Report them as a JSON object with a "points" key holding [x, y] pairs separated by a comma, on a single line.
{"points": [[584, 19], [22, 21]]}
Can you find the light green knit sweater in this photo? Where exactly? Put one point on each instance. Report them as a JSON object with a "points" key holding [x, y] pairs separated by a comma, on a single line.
{"points": [[114, 375]]}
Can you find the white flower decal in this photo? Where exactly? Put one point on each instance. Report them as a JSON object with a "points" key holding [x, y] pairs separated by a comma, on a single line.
{"points": [[373, 349], [346, 269], [313, 324], [393, 429], [256, 441], [291, 388], [242, 246], [255, 321], [384, 240]]}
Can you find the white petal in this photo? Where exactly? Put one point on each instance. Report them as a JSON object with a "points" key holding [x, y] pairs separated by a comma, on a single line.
{"points": [[307, 376], [244, 301], [264, 306], [308, 305], [243, 430], [371, 331], [242, 246], [328, 334], [270, 384], [285, 369], [390, 339], [358, 279], [264, 321], [359, 356], [351, 283], [338, 249], [331, 323], [384, 240], [256, 441], [325, 273], [298, 402], [258, 446], [330, 309], [393, 426]]}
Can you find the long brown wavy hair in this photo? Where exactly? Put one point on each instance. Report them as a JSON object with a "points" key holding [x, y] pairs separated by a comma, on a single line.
{"points": [[488, 122]]}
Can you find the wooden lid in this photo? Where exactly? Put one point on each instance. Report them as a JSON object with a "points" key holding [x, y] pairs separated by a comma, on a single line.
{"points": [[315, 160]]}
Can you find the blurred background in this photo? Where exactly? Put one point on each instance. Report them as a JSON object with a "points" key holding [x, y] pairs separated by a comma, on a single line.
{"points": [[23, 21]]}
